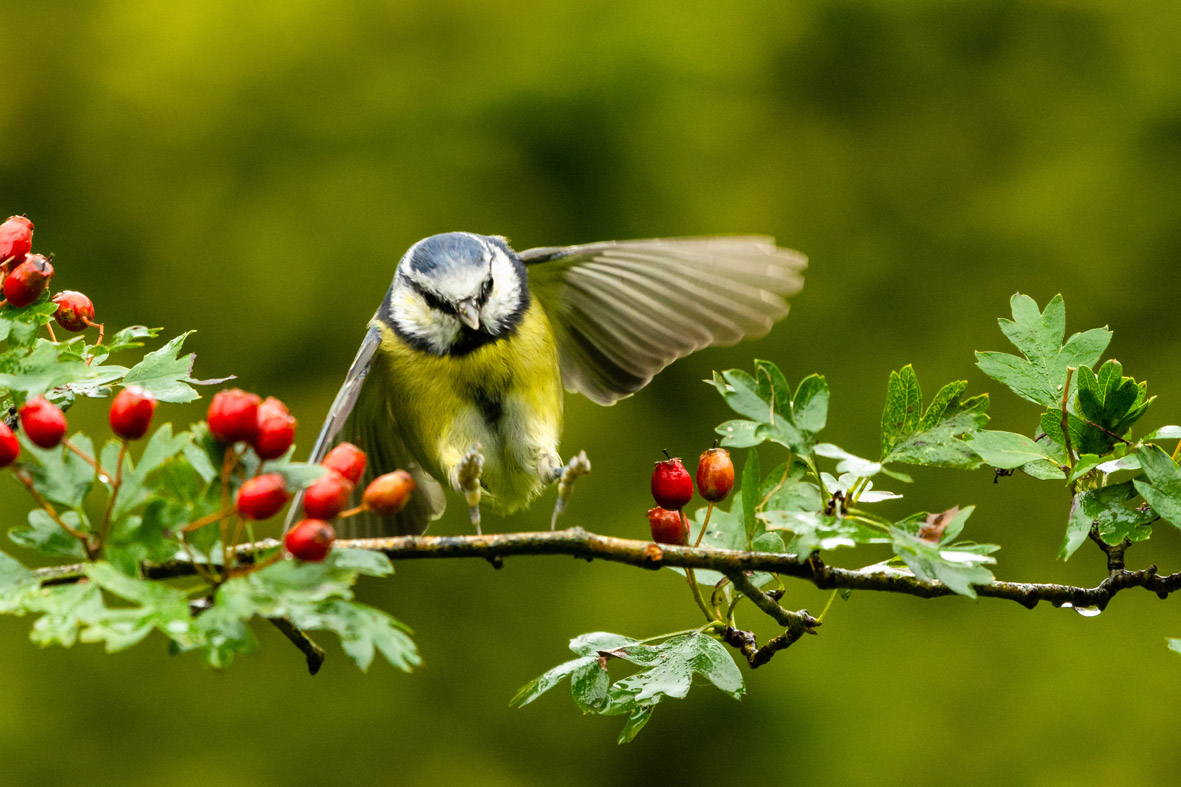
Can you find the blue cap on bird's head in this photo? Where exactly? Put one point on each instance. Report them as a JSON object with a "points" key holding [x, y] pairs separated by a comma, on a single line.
{"points": [[438, 253]]}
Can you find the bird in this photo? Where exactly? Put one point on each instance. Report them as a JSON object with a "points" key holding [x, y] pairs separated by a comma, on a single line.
{"points": [[460, 375]]}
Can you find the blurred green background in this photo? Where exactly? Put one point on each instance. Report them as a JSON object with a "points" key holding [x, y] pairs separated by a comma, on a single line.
{"points": [[254, 171]]}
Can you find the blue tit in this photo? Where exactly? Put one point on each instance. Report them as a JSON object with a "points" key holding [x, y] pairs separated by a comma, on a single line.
{"points": [[474, 343]]}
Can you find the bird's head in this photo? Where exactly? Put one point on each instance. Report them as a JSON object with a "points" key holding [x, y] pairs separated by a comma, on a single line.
{"points": [[455, 292]]}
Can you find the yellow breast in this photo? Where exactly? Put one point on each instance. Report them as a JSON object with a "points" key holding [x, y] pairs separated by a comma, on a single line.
{"points": [[506, 396]]}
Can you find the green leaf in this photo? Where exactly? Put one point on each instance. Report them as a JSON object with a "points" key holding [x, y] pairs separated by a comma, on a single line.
{"points": [[46, 537], [750, 494], [936, 437], [635, 722], [136, 488], [904, 408], [1162, 485], [167, 376], [363, 631], [40, 371], [959, 567], [774, 414], [67, 609], [296, 475], [1109, 399], [546, 681], [1040, 375], [1008, 451], [131, 337], [15, 582], [363, 561], [154, 606], [670, 666], [818, 531], [667, 671], [591, 644], [849, 463], [589, 684], [740, 434], [19, 326], [1105, 509], [60, 475], [1164, 433]]}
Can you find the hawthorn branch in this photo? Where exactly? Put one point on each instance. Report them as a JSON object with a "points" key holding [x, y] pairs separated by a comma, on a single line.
{"points": [[579, 543], [313, 652]]}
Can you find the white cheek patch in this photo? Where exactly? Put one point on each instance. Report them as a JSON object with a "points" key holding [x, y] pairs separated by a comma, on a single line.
{"points": [[505, 296], [415, 318]]}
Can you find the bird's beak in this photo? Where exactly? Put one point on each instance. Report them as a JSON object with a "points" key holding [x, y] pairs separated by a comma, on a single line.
{"points": [[468, 313]]}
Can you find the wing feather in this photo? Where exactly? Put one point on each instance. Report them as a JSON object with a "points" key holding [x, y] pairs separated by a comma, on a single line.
{"points": [[361, 415], [623, 310]]}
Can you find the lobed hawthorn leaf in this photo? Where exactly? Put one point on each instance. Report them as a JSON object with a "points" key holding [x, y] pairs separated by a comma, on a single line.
{"points": [[19, 326], [1105, 510], [1040, 375], [1102, 412], [1161, 484], [137, 487], [815, 531], [1009, 451], [958, 566], [1164, 433], [46, 537], [589, 684], [168, 376], [667, 670], [935, 437], [1109, 399], [774, 413], [60, 475], [40, 371]]}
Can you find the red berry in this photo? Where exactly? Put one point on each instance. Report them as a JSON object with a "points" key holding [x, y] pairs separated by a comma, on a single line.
{"points": [[715, 474], [311, 539], [16, 238], [276, 429], [43, 422], [131, 412], [668, 527], [10, 447], [327, 496], [233, 415], [28, 280], [671, 485], [74, 310], [388, 494], [348, 460], [261, 497]]}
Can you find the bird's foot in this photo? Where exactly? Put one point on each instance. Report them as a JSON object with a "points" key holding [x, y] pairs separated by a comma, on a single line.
{"points": [[468, 473], [576, 467]]}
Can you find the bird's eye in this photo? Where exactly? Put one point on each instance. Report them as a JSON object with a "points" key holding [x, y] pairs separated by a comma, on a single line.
{"points": [[485, 290], [434, 301]]}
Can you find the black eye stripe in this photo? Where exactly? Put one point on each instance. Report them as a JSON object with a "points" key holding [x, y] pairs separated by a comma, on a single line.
{"points": [[432, 300]]}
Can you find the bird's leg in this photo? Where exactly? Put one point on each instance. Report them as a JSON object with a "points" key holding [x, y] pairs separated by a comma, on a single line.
{"points": [[566, 476], [467, 475]]}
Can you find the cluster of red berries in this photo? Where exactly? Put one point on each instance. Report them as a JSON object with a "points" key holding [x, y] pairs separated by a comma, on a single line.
{"points": [[672, 489], [236, 416], [45, 424], [26, 275]]}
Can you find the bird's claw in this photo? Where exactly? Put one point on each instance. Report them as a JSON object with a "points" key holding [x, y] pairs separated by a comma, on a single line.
{"points": [[468, 473], [577, 466]]}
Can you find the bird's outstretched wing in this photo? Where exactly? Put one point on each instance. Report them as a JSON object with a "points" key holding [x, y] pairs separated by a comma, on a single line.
{"points": [[623, 310], [361, 414]]}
